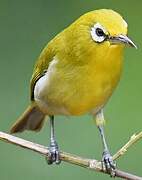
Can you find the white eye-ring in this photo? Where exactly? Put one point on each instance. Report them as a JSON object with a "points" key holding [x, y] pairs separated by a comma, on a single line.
{"points": [[98, 33]]}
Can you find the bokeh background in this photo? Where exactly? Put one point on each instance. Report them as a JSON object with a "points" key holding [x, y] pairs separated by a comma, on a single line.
{"points": [[25, 28]]}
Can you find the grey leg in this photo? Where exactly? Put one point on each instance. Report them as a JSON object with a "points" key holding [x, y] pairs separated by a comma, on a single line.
{"points": [[53, 147], [107, 158]]}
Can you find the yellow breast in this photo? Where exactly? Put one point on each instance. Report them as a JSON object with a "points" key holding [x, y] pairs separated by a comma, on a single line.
{"points": [[79, 89], [89, 86]]}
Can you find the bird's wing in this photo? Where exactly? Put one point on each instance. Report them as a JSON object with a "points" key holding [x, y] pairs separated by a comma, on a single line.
{"points": [[40, 68]]}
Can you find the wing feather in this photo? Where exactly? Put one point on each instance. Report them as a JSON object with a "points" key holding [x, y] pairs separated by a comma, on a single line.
{"points": [[41, 67]]}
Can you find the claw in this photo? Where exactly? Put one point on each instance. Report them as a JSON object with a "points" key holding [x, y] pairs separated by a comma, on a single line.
{"points": [[108, 164], [54, 155]]}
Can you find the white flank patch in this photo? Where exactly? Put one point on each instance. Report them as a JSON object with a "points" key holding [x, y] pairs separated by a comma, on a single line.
{"points": [[44, 81], [41, 89]]}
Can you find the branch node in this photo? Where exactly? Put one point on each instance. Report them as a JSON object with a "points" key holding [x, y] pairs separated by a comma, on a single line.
{"points": [[94, 164]]}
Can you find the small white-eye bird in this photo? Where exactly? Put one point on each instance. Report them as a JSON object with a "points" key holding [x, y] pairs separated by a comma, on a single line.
{"points": [[76, 73]]}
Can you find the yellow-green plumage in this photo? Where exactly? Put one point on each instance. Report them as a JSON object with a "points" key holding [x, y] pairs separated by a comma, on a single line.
{"points": [[85, 72]]}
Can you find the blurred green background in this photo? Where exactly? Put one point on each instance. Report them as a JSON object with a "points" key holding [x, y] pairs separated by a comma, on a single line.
{"points": [[25, 28]]}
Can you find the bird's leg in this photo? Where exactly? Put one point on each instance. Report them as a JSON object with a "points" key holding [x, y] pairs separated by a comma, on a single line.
{"points": [[107, 160], [54, 155]]}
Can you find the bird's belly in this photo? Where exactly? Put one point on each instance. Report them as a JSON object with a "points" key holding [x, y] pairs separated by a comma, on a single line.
{"points": [[73, 96], [78, 90]]}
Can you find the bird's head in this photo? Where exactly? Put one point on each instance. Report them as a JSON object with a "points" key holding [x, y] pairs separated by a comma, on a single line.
{"points": [[108, 26], [98, 31], [95, 34]]}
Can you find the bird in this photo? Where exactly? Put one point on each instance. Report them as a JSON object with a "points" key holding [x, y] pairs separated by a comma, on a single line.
{"points": [[76, 74]]}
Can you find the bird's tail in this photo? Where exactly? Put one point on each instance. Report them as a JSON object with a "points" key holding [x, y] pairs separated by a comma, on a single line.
{"points": [[31, 119]]}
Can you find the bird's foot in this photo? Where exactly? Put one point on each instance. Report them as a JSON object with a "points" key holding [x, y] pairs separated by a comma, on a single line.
{"points": [[108, 164], [54, 154]]}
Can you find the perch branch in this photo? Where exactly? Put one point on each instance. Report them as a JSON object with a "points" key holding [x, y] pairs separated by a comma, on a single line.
{"points": [[91, 164], [134, 138]]}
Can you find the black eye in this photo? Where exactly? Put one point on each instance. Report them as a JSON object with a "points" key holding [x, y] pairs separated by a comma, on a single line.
{"points": [[100, 32]]}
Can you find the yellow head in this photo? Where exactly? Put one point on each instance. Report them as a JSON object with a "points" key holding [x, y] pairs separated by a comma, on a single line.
{"points": [[95, 32]]}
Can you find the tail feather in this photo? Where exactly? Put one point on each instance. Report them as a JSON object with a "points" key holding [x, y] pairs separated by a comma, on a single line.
{"points": [[31, 119]]}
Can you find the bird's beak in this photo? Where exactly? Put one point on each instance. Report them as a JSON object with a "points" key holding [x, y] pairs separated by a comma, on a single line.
{"points": [[122, 39]]}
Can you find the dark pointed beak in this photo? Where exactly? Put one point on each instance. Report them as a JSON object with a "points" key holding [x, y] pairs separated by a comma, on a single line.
{"points": [[122, 39]]}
